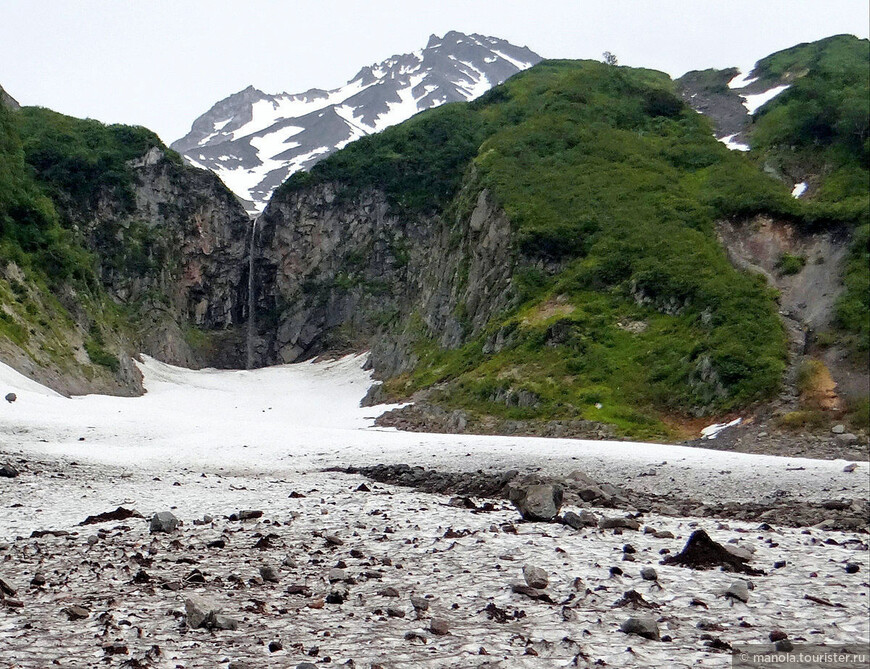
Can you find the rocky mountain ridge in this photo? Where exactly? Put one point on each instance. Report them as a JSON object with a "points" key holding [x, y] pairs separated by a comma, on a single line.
{"points": [[254, 140]]}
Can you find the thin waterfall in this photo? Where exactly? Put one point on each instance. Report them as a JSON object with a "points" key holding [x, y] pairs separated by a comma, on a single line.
{"points": [[252, 295]]}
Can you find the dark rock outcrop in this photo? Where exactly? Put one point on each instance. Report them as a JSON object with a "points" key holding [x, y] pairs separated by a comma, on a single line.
{"points": [[345, 273]]}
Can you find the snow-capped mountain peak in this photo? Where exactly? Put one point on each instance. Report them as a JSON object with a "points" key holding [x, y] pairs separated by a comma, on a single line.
{"points": [[254, 140]]}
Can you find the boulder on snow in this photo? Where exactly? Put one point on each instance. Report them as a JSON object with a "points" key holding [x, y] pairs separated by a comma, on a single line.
{"points": [[645, 627], [536, 577], [11, 397], [580, 520], [539, 503], [201, 613], [701, 552], [8, 471], [164, 521]]}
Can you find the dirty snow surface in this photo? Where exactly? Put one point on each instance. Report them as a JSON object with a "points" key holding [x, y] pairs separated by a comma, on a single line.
{"points": [[217, 442]]}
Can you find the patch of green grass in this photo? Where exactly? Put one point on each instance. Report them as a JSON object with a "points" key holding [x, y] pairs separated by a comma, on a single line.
{"points": [[100, 356], [804, 419], [789, 264]]}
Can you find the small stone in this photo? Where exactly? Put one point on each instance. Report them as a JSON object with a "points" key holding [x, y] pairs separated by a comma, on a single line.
{"points": [[847, 438], [11, 397], [419, 603], [663, 534], [269, 573], [649, 574], [250, 514], [76, 612], [335, 574], [838, 429], [333, 540], [619, 522], [165, 521], [337, 596], [645, 627], [439, 626], [536, 577], [38, 580], [777, 635], [395, 613], [578, 521], [850, 467], [389, 591], [116, 648], [779, 564], [852, 568], [784, 646], [739, 589], [93, 540], [275, 646]]}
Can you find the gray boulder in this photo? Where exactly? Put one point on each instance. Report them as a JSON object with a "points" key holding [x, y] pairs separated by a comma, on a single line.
{"points": [[11, 397], [580, 520], [8, 471], [539, 503], [739, 590], [535, 577], [201, 613], [642, 626], [164, 521]]}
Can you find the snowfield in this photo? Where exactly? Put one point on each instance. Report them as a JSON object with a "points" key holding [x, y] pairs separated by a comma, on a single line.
{"points": [[214, 442]]}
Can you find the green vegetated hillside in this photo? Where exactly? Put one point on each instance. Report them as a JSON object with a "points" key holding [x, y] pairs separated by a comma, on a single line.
{"points": [[48, 283], [818, 130], [624, 298]]}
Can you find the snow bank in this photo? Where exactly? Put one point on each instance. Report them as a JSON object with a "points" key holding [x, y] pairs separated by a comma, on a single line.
{"points": [[754, 102], [305, 417]]}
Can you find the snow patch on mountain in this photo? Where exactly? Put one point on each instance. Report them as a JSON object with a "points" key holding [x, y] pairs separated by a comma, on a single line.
{"points": [[254, 140]]}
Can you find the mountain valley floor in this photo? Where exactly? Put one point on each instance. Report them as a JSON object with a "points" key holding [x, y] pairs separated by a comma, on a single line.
{"points": [[326, 574]]}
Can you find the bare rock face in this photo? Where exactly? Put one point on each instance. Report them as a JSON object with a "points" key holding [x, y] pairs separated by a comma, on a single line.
{"points": [[8, 101], [540, 503], [331, 266]]}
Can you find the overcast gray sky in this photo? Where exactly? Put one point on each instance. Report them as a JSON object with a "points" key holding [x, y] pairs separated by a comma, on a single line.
{"points": [[161, 63]]}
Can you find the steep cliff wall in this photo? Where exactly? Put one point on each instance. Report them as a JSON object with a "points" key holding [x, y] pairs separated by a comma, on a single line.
{"points": [[176, 258], [337, 272]]}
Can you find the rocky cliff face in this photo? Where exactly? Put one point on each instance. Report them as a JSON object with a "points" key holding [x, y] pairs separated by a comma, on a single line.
{"points": [[176, 257], [171, 251], [335, 273]]}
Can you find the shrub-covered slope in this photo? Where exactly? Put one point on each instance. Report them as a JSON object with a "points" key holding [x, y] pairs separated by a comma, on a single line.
{"points": [[624, 307]]}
